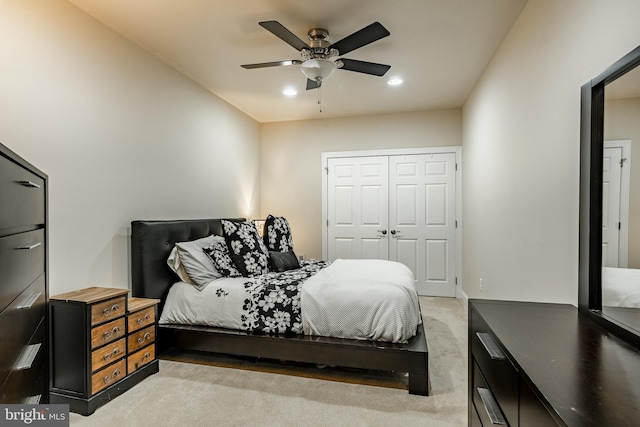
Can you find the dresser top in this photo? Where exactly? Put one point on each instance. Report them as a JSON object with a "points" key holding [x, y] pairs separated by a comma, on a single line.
{"points": [[587, 375], [90, 295]]}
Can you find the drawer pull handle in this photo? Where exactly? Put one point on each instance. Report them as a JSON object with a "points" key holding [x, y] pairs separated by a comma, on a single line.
{"points": [[144, 338], [111, 333], [113, 376], [141, 320], [109, 311], [29, 301], [29, 247], [114, 353], [27, 357], [491, 346], [491, 406], [29, 184], [33, 400], [146, 355]]}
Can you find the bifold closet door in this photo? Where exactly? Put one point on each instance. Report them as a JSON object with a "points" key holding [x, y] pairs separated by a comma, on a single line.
{"points": [[422, 229], [400, 208], [357, 211]]}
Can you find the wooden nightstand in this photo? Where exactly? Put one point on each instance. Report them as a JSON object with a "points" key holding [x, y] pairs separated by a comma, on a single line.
{"points": [[103, 343]]}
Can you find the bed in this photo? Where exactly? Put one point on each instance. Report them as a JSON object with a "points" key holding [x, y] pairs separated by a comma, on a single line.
{"points": [[151, 244]]}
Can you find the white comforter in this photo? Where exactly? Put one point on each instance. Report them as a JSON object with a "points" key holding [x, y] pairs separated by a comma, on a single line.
{"points": [[361, 299], [357, 299], [620, 287]]}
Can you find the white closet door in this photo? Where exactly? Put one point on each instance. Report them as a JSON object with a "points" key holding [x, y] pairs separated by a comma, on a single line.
{"points": [[357, 212], [422, 229], [611, 172]]}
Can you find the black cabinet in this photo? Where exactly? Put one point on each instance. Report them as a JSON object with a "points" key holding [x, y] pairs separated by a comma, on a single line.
{"points": [[534, 364], [24, 348]]}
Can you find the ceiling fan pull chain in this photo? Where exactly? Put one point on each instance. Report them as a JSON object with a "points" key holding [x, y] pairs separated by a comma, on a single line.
{"points": [[319, 99]]}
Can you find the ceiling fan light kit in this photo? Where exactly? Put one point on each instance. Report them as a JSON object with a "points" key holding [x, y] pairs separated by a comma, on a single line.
{"points": [[319, 69], [320, 57]]}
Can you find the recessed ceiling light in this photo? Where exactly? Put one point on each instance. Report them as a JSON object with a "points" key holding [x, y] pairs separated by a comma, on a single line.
{"points": [[289, 92], [394, 81]]}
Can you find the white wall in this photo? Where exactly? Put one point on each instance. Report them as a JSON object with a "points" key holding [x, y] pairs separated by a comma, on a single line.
{"points": [[120, 135], [291, 160], [521, 147]]}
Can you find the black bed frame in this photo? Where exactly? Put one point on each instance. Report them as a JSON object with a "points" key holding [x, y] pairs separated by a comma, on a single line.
{"points": [[151, 243]]}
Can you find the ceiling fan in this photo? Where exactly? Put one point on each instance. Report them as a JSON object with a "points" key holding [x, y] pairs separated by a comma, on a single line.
{"points": [[320, 57]]}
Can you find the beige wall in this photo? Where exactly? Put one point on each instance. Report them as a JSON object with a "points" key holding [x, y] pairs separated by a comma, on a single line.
{"points": [[120, 135], [622, 121], [291, 167], [521, 147]]}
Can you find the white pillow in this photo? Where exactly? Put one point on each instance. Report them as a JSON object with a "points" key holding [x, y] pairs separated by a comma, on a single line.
{"points": [[176, 266], [196, 263]]}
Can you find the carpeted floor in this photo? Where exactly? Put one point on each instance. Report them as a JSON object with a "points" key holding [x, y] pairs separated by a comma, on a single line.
{"points": [[223, 391]]}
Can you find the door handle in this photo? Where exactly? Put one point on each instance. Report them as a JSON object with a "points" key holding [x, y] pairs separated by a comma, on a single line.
{"points": [[383, 232]]}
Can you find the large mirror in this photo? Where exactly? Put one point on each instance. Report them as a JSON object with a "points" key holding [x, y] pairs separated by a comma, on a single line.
{"points": [[610, 198]]}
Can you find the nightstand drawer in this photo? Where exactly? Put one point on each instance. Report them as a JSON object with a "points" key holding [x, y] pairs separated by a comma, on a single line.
{"points": [[141, 338], [107, 354], [107, 333], [107, 310], [142, 318], [501, 376], [23, 196], [108, 376], [21, 262], [141, 358]]}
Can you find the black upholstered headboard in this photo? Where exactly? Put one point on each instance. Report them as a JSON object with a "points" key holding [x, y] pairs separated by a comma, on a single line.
{"points": [[151, 244]]}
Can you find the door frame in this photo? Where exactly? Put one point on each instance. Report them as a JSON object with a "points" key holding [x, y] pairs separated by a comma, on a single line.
{"points": [[625, 182], [457, 150]]}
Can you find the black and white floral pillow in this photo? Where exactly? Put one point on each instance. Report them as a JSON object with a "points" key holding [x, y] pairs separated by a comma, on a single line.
{"points": [[246, 249], [277, 234], [219, 255]]}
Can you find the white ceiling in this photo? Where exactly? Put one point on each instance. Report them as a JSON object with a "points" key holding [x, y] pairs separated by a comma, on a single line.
{"points": [[438, 47]]}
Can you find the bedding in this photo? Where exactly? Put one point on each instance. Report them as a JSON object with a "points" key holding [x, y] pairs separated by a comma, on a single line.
{"points": [[188, 257], [620, 287], [277, 234], [374, 300], [246, 248]]}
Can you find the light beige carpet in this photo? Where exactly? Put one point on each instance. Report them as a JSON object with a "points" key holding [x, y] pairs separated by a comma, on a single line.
{"points": [[203, 394]]}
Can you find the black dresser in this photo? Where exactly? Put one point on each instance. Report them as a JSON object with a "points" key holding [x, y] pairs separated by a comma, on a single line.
{"points": [[24, 352], [533, 364]]}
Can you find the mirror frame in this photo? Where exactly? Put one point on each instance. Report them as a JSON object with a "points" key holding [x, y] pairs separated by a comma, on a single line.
{"points": [[590, 227]]}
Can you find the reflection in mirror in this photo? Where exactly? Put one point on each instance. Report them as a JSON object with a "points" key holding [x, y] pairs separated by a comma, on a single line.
{"points": [[621, 200]]}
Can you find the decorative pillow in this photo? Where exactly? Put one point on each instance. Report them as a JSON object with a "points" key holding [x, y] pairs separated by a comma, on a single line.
{"points": [[197, 264], [246, 249], [277, 235], [219, 255], [283, 261]]}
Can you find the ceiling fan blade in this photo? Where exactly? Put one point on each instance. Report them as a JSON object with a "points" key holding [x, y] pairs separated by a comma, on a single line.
{"points": [[280, 31], [312, 84], [364, 67], [272, 64], [360, 38]]}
